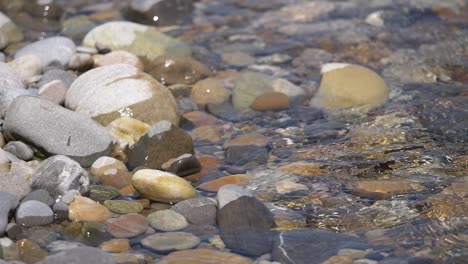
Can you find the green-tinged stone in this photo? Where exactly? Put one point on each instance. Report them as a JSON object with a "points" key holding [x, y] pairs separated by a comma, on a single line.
{"points": [[249, 86], [89, 233], [143, 41], [123, 207], [102, 193]]}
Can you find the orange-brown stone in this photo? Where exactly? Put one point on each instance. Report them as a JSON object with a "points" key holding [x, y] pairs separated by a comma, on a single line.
{"points": [[204, 256], [213, 186], [270, 101]]}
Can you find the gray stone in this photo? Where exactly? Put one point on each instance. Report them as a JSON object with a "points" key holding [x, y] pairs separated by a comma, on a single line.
{"points": [[40, 195], [15, 184], [162, 142], [56, 74], [34, 213], [245, 226], [249, 156], [8, 202], [300, 246], [34, 121], [170, 241], [59, 174], [13, 231], [167, 220], [197, 211], [229, 193], [248, 87], [61, 211], [53, 49], [79, 255], [20, 150]]}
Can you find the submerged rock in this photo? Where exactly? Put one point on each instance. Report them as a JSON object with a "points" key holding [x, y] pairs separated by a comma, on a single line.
{"points": [[143, 41], [162, 142], [160, 13], [346, 86]]}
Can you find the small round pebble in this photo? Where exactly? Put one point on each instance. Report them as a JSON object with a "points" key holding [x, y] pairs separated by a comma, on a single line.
{"points": [[34, 213], [167, 220], [171, 241], [20, 150]]}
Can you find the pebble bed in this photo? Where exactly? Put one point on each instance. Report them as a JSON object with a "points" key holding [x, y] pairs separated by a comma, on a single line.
{"points": [[233, 131]]}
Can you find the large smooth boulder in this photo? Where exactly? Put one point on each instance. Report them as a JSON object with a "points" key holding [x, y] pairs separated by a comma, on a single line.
{"points": [[110, 92]]}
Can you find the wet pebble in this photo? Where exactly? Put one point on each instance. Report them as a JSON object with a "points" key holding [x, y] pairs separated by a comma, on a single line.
{"points": [[103, 192], [332, 95], [229, 193], [206, 256], [111, 172], [40, 195], [85, 209], [183, 165], [215, 185], [123, 207], [30, 252], [245, 226], [208, 91], [162, 186], [167, 220], [60, 211], [170, 69], [198, 211], [270, 102], [248, 156], [162, 142], [170, 241], [129, 225], [115, 245], [249, 86]]}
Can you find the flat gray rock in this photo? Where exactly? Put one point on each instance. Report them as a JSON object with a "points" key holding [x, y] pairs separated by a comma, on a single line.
{"points": [[49, 50], [60, 174], [198, 211], [170, 241], [245, 226], [79, 255], [8, 202], [56, 130], [302, 246], [34, 213], [229, 193]]}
